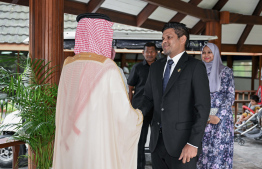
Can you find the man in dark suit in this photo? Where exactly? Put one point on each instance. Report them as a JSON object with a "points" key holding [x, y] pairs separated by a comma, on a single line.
{"points": [[178, 89]]}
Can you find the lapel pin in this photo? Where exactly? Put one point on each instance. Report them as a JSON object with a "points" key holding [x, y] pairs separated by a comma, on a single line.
{"points": [[179, 70]]}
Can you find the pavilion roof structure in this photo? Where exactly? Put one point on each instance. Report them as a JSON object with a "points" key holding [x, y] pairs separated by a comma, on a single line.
{"points": [[241, 19], [236, 23], [14, 23]]}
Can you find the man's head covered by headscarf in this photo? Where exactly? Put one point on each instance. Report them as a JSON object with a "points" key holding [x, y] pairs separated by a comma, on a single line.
{"points": [[94, 34]]}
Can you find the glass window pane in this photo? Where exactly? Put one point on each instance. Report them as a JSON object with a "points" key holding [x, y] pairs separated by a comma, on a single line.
{"points": [[242, 68]]}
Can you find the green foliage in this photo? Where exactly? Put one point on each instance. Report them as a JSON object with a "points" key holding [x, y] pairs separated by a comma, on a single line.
{"points": [[35, 98], [6, 110]]}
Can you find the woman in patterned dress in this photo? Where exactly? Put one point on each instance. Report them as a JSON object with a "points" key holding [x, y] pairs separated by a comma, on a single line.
{"points": [[218, 140]]}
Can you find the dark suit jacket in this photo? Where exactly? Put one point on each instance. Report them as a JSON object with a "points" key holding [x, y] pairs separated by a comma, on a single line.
{"points": [[183, 109]]}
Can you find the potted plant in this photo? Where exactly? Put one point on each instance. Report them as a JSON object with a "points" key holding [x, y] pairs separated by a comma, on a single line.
{"points": [[35, 98]]}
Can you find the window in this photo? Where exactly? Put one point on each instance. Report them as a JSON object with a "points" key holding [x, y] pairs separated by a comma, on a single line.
{"points": [[242, 68], [9, 60]]}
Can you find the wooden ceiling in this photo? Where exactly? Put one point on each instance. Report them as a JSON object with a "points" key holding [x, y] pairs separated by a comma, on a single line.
{"points": [[182, 8]]}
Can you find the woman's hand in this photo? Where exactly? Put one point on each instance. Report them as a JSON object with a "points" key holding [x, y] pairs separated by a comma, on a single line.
{"points": [[213, 119]]}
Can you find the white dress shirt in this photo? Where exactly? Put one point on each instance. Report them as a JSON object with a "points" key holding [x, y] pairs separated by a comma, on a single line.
{"points": [[175, 59]]}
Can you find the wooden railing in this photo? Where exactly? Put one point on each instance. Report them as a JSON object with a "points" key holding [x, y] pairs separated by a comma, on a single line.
{"points": [[242, 97], [5, 142]]}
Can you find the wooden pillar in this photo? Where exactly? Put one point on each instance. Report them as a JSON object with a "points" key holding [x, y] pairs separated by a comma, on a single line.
{"points": [[230, 61], [136, 57], [260, 67], [214, 29], [15, 150], [255, 61], [46, 18], [123, 60], [46, 26], [31, 161]]}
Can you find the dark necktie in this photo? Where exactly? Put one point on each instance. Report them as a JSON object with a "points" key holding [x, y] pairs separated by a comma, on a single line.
{"points": [[167, 73]]}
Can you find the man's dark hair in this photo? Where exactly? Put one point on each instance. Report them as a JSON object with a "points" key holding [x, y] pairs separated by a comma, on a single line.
{"points": [[255, 98], [150, 44], [180, 30]]}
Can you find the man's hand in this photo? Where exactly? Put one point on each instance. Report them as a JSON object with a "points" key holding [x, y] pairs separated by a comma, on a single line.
{"points": [[213, 119], [131, 88], [187, 153]]}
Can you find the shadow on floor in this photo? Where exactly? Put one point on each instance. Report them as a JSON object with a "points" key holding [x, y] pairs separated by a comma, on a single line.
{"points": [[247, 156]]}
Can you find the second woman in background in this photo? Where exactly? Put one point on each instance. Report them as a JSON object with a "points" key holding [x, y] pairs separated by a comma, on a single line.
{"points": [[218, 140]]}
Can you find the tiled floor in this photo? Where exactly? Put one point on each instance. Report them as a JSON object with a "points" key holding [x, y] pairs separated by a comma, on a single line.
{"points": [[247, 156]]}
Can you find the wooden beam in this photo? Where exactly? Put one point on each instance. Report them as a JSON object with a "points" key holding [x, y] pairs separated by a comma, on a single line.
{"points": [[203, 32], [248, 28], [187, 9], [219, 5], [154, 25], [177, 5], [224, 17], [198, 28], [214, 29], [131, 19], [145, 13], [244, 36], [195, 2], [179, 16], [258, 9], [245, 48], [76, 8], [245, 19], [14, 46], [93, 5], [69, 53]]}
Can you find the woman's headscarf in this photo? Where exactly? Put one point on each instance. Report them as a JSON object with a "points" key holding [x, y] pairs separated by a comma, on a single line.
{"points": [[94, 35], [214, 68]]}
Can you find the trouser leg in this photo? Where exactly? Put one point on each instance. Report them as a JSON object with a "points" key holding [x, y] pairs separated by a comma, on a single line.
{"points": [[141, 161]]}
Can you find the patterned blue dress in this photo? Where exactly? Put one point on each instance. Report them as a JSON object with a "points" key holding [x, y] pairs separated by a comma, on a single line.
{"points": [[218, 140]]}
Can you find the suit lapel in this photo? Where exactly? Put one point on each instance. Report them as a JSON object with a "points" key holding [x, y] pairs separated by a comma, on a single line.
{"points": [[159, 75], [177, 71]]}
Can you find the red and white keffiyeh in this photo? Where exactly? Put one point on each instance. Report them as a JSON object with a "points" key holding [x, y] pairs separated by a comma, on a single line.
{"points": [[95, 36]]}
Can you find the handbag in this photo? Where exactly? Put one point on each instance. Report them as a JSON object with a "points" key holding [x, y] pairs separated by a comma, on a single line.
{"points": [[213, 111]]}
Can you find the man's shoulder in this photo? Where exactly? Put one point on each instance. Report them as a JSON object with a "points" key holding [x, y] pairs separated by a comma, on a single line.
{"points": [[158, 61], [86, 56], [194, 63], [137, 65], [161, 60], [193, 60]]}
